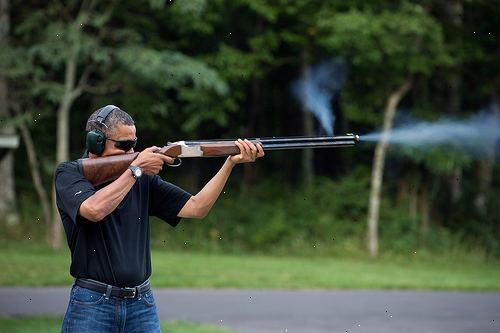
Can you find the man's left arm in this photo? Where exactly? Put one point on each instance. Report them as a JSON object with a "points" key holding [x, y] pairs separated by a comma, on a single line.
{"points": [[200, 204]]}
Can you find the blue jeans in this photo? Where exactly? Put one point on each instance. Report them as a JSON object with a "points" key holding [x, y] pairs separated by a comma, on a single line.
{"points": [[90, 311]]}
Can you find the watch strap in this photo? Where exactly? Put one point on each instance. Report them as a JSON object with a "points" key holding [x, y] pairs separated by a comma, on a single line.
{"points": [[134, 169]]}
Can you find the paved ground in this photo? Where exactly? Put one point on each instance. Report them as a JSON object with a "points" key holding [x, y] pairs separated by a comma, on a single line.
{"points": [[266, 311]]}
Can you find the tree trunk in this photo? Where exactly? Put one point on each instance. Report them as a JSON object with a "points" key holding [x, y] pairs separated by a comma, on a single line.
{"points": [[35, 173], [71, 92], [403, 191], [454, 13], [413, 202], [424, 211], [250, 170], [378, 167], [455, 182], [308, 126], [484, 177], [62, 144], [8, 207], [408, 193], [485, 168]]}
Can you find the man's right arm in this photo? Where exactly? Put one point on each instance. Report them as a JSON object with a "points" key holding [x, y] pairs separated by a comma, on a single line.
{"points": [[103, 202], [96, 207]]}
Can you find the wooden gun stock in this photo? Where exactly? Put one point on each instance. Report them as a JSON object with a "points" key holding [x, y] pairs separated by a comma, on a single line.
{"points": [[104, 169]]}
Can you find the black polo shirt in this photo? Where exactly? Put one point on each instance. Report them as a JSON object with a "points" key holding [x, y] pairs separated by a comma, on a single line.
{"points": [[119, 244]]}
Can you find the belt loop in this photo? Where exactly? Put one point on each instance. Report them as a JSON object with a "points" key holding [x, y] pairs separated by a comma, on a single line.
{"points": [[141, 288], [108, 291]]}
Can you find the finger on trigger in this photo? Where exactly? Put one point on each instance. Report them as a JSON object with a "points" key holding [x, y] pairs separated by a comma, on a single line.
{"points": [[167, 159], [152, 149]]}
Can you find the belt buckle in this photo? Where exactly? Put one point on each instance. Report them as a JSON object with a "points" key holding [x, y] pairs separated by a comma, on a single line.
{"points": [[133, 290]]}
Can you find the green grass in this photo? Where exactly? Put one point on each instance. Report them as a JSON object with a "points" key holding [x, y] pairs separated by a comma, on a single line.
{"points": [[53, 324], [36, 265]]}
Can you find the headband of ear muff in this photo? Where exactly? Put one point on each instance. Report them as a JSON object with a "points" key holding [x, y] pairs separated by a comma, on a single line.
{"points": [[96, 139]]}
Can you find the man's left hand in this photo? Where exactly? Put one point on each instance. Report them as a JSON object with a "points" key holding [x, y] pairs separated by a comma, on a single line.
{"points": [[249, 152]]}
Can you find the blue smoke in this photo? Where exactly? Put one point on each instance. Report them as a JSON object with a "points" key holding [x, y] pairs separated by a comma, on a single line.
{"points": [[317, 93], [478, 134]]}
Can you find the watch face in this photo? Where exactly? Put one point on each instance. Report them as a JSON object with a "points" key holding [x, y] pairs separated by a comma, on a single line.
{"points": [[138, 172]]}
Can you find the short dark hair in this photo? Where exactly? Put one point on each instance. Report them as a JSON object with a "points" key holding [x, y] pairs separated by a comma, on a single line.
{"points": [[114, 118]]}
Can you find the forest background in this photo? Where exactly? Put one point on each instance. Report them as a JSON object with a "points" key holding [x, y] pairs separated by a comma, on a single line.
{"points": [[202, 69]]}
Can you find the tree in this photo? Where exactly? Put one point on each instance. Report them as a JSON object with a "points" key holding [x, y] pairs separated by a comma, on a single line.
{"points": [[67, 50], [386, 49], [8, 207]]}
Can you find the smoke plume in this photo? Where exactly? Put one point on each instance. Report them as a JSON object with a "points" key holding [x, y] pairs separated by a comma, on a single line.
{"points": [[478, 134], [316, 91]]}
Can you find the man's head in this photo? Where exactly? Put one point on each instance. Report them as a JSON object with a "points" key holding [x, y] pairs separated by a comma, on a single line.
{"points": [[110, 131]]}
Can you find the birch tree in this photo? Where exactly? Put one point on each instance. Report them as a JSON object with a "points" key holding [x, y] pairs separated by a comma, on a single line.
{"points": [[386, 49]]}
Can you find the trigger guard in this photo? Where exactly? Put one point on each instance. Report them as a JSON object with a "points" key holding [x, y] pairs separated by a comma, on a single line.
{"points": [[175, 165]]}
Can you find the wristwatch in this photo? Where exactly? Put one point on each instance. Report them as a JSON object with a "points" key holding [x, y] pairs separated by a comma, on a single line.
{"points": [[136, 171]]}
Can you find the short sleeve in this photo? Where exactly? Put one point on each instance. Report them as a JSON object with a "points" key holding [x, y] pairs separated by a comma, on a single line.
{"points": [[166, 200], [72, 189]]}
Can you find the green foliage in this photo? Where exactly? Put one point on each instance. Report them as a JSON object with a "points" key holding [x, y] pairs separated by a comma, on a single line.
{"points": [[192, 69], [14, 62], [262, 8], [292, 216], [325, 219], [193, 8], [404, 41], [438, 159], [46, 324], [106, 52], [168, 69], [384, 47]]}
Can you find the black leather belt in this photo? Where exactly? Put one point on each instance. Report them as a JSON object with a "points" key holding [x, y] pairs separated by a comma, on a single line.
{"points": [[102, 288]]}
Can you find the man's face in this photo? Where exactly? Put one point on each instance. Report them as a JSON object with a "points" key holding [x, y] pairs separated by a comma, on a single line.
{"points": [[120, 133]]}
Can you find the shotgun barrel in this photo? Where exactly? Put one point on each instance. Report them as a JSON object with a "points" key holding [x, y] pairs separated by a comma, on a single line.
{"points": [[299, 142]]}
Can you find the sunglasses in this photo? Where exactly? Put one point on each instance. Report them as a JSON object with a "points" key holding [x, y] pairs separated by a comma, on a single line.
{"points": [[124, 145]]}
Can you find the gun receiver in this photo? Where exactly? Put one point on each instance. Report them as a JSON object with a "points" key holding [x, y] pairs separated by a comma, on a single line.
{"points": [[104, 169]]}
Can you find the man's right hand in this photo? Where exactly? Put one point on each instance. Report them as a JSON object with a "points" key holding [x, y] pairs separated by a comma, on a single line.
{"points": [[152, 162]]}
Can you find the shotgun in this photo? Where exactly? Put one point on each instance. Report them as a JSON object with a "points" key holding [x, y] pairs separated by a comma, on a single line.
{"points": [[104, 169]]}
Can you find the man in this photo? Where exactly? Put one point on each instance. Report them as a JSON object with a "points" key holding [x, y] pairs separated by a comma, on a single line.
{"points": [[107, 227]]}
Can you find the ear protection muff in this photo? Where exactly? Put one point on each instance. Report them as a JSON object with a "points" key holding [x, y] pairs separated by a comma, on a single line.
{"points": [[96, 139]]}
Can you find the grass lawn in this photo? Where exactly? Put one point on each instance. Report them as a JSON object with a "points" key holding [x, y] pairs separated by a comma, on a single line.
{"points": [[53, 324], [37, 265]]}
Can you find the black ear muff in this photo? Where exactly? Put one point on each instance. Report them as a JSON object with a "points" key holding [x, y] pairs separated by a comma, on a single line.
{"points": [[95, 142], [96, 139]]}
